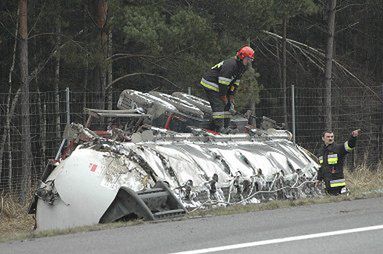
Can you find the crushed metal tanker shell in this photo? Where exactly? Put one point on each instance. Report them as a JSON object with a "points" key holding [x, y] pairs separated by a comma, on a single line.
{"points": [[103, 180]]}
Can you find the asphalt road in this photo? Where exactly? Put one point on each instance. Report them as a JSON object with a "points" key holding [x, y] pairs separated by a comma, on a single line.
{"points": [[344, 227]]}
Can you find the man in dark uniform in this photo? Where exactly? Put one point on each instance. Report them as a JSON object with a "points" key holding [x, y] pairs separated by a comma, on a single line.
{"points": [[220, 84], [331, 158]]}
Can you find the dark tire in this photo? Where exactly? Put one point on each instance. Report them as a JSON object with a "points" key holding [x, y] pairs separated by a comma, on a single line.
{"points": [[198, 102], [182, 105]]}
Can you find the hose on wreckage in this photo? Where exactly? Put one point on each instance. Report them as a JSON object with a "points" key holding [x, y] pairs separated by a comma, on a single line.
{"points": [[258, 192], [232, 184]]}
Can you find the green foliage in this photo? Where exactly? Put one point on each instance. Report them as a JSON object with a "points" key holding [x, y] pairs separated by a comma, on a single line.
{"points": [[291, 8], [179, 39], [143, 28], [188, 30], [188, 39], [248, 92], [242, 19], [79, 54], [180, 43]]}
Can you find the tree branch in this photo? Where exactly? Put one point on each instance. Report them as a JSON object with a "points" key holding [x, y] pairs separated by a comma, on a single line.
{"points": [[119, 56], [299, 44], [347, 6], [37, 35], [139, 73], [37, 19], [347, 27]]}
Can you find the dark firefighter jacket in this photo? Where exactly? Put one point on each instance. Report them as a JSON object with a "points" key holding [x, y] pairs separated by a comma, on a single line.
{"points": [[224, 77], [331, 158]]}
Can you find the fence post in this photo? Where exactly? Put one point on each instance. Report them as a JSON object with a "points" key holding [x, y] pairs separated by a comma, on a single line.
{"points": [[189, 90], [293, 110], [380, 136], [58, 154], [67, 106]]}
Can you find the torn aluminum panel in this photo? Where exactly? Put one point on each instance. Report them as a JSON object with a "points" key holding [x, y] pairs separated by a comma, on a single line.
{"points": [[104, 180]]}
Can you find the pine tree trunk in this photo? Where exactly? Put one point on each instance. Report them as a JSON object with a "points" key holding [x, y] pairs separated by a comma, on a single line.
{"points": [[110, 71], [25, 116], [86, 73], [7, 133], [6, 130], [85, 89], [44, 139], [279, 66], [329, 58], [284, 71], [8, 114], [10, 172], [43, 124], [56, 83], [102, 10]]}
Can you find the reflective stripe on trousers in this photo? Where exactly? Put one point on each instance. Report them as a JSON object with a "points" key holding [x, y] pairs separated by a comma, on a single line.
{"points": [[337, 183], [221, 115]]}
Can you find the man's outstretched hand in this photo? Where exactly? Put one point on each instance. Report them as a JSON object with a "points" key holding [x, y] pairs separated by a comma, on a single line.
{"points": [[356, 133]]}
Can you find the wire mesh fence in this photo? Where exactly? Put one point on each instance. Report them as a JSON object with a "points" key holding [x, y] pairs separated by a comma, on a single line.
{"points": [[352, 108]]}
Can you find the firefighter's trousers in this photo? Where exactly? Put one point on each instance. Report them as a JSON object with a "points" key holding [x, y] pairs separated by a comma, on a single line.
{"points": [[221, 116]]}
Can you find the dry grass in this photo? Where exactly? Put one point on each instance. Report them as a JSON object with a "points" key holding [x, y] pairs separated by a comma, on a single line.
{"points": [[16, 224], [365, 179], [15, 221]]}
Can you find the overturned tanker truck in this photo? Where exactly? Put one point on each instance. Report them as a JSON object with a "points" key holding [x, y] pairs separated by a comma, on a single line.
{"points": [[155, 158]]}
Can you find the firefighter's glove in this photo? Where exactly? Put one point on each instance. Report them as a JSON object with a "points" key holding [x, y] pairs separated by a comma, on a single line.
{"points": [[232, 108]]}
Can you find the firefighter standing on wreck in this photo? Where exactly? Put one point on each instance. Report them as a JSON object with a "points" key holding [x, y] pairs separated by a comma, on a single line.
{"points": [[220, 83], [331, 158]]}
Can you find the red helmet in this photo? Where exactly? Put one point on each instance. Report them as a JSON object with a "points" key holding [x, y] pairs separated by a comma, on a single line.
{"points": [[245, 51]]}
